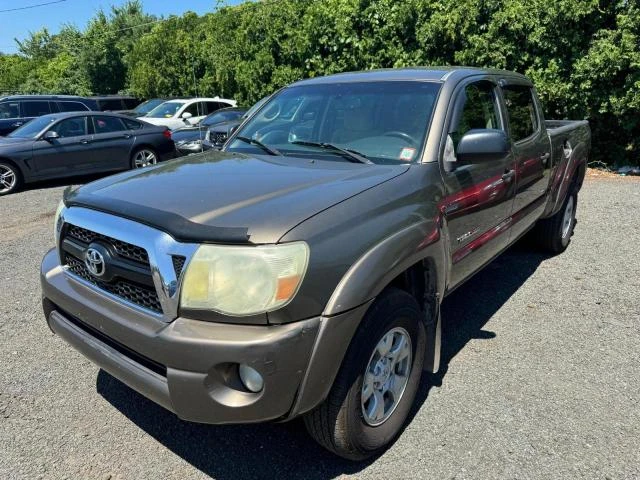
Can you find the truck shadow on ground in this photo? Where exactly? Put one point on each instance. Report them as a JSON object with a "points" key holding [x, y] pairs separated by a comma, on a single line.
{"points": [[285, 450]]}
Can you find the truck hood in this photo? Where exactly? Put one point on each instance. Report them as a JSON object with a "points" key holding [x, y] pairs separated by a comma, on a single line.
{"points": [[230, 198]]}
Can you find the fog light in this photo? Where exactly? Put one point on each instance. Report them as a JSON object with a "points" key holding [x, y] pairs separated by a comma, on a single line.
{"points": [[251, 378]]}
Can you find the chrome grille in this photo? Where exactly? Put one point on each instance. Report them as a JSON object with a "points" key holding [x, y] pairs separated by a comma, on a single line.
{"points": [[218, 138], [124, 249], [138, 294]]}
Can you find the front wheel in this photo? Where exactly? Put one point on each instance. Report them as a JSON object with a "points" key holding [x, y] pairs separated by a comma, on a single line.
{"points": [[144, 157], [377, 382], [10, 178]]}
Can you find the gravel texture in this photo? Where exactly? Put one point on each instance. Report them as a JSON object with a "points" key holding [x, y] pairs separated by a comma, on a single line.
{"points": [[540, 379]]}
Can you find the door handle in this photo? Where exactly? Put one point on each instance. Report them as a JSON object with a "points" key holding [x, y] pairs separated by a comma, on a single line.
{"points": [[126, 135], [84, 141], [17, 124], [508, 175]]}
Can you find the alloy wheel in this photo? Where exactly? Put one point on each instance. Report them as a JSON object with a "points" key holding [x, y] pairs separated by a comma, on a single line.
{"points": [[386, 376], [144, 158]]}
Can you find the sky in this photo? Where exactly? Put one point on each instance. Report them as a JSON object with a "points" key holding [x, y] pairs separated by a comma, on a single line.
{"points": [[18, 24]]}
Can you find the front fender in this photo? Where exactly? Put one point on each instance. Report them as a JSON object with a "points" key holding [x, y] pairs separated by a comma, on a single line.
{"points": [[374, 270]]}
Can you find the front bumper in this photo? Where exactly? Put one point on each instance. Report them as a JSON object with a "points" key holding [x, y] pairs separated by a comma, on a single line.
{"points": [[189, 366]]}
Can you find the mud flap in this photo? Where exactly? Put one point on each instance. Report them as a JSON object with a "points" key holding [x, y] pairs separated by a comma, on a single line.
{"points": [[433, 328]]}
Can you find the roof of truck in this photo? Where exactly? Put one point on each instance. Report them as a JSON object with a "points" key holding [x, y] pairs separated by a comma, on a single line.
{"points": [[411, 73]]}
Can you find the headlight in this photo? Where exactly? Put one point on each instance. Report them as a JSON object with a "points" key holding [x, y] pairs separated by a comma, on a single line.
{"points": [[57, 223], [242, 281]]}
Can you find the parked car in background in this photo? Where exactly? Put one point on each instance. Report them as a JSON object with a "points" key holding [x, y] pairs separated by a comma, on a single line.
{"points": [[67, 144], [190, 139], [115, 103], [16, 110], [143, 108], [217, 134], [179, 113]]}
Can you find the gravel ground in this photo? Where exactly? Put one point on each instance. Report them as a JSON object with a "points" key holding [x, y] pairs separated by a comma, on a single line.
{"points": [[540, 378]]}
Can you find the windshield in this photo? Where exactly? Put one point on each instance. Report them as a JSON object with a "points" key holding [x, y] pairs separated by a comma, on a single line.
{"points": [[165, 110], [146, 107], [33, 128], [223, 116], [385, 122], [255, 107]]}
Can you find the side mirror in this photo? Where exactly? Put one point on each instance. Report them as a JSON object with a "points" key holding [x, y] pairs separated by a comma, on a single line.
{"points": [[186, 115], [233, 129], [50, 136], [482, 144]]}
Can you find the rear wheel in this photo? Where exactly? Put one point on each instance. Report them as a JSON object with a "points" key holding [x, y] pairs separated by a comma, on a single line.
{"points": [[554, 233], [10, 178], [144, 157], [377, 382]]}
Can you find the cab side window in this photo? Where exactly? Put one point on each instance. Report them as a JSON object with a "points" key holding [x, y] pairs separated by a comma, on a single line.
{"points": [[35, 108], [478, 109], [107, 125], [523, 121], [196, 109], [71, 127], [9, 110]]}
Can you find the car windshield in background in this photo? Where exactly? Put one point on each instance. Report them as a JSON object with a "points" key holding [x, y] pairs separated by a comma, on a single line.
{"points": [[146, 107], [385, 122], [33, 128], [165, 110], [220, 117]]}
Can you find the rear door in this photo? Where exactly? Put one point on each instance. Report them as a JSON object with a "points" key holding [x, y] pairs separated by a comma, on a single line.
{"points": [[478, 198], [532, 152], [112, 143], [69, 154]]}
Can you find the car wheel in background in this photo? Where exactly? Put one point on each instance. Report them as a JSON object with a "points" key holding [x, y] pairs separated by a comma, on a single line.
{"points": [[10, 178], [377, 382], [144, 157]]}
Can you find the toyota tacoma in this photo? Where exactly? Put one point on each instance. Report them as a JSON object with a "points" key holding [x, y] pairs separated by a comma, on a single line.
{"points": [[300, 270]]}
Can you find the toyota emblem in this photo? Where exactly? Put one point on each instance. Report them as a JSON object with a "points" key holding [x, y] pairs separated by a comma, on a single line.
{"points": [[94, 261]]}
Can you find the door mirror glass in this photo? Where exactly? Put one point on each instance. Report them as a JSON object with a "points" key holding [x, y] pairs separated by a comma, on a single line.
{"points": [[51, 135], [482, 144]]}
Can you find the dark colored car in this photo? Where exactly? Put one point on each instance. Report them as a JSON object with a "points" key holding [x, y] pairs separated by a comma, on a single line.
{"points": [[300, 271], [17, 110], [143, 108], [217, 134], [190, 139], [115, 103], [68, 144]]}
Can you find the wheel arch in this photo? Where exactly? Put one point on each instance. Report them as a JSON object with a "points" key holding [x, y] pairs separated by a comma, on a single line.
{"points": [[412, 260]]}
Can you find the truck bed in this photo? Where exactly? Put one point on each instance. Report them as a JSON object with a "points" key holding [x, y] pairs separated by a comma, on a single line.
{"points": [[570, 144]]}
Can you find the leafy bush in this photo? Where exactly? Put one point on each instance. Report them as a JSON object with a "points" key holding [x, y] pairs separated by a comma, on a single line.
{"points": [[583, 55]]}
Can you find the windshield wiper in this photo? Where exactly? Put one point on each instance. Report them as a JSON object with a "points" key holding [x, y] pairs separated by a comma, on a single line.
{"points": [[266, 148], [352, 155]]}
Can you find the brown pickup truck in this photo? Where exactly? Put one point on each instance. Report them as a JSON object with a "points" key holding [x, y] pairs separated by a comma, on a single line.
{"points": [[300, 270]]}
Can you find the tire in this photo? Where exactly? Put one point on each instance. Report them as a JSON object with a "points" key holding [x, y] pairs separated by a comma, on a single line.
{"points": [[10, 178], [554, 234], [144, 157], [341, 423]]}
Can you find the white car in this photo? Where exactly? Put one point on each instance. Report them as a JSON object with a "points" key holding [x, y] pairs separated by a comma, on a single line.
{"points": [[178, 113]]}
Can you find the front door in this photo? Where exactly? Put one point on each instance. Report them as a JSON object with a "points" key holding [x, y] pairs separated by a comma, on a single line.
{"points": [[478, 199], [69, 154]]}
